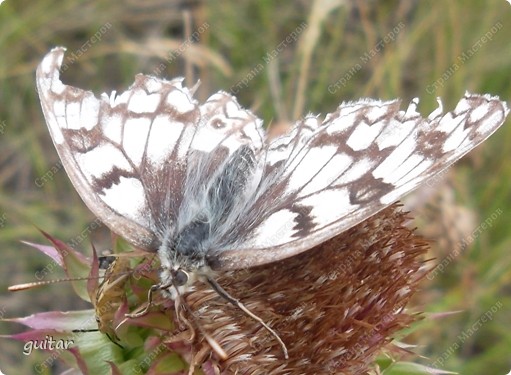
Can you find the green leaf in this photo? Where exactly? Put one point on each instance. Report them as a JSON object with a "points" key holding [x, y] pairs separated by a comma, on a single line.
{"points": [[409, 368]]}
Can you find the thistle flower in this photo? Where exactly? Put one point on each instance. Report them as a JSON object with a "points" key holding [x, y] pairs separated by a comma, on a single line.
{"points": [[336, 307]]}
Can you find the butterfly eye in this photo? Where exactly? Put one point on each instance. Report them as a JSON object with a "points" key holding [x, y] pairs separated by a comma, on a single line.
{"points": [[180, 277]]}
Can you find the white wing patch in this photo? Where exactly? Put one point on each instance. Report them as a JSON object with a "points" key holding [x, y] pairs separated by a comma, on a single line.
{"points": [[275, 228], [133, 135], [355, 172], [328, 174], [305, 167], [363, 136], [89, 113], [323, 205], [395, 133], [162, 140], [112, 127], [128, 190], [388, 169], [99, 163], [141, 102]]}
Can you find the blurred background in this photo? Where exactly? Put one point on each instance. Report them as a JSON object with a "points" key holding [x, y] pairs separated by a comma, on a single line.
{"points": [[282, 60]]}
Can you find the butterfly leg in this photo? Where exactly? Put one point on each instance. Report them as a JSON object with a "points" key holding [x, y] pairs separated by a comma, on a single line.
{"points": [[223, 293], [149, 300]]}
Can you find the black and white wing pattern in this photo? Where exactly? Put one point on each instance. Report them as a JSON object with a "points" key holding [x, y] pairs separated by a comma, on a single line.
{"points": [[130, 156], [324, 177], [153, 163]]}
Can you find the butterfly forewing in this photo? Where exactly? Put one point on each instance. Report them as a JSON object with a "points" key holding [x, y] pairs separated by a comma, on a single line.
{"points": [[153, 164]]}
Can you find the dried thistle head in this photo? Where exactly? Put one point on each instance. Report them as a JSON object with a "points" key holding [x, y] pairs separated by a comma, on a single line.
{"points": [[334, 306]]}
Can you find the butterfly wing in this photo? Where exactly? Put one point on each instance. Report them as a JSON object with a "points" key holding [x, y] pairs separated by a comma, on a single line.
{"points": [[325, 177], [131, 156]]}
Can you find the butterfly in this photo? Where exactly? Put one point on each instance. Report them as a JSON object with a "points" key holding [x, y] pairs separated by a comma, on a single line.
{"points": [[201, 185]]}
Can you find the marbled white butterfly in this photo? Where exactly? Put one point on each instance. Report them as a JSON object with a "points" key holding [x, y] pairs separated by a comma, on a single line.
{"points": [[201, 185]]}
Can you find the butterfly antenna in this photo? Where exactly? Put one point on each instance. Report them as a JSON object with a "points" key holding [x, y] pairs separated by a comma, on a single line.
{"points": [[222, 292], [33, 284]]}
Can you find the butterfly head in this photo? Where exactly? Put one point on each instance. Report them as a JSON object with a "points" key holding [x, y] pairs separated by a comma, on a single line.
{"points": [[182, 260], [176, 281]]}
